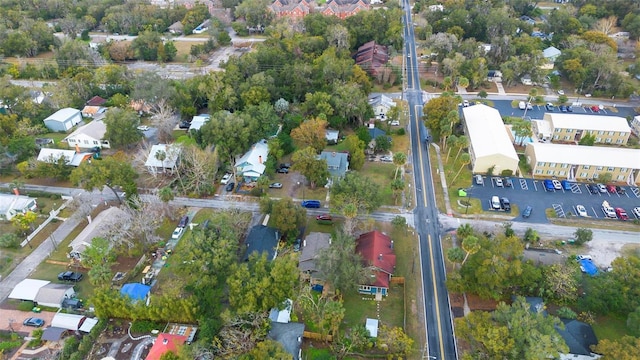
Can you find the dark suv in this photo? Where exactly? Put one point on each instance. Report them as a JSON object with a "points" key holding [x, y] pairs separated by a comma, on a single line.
{"points": [[505, 204], [184, 222], [593, 188], [70, 276]]}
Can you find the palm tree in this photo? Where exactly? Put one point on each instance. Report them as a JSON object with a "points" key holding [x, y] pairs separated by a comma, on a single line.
{"points": [[464, 231], [451, 142], [470, 245], [165, 194], [397, 186], [399, 159], [462, 143], [447, 83], [161, 155], [463, 82], [465, 159]]}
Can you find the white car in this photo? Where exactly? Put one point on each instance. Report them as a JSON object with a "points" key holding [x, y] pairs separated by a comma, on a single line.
{"points": [[177, 232], [479, 179], [581, 211], [143, 128], [636, 211], [395, 123], [386, 158], [602, 188], [225, 179], [465, 103], [560, 92], [556, 184], [495, 202], [275, 186], [499, 182], [583, 257]]}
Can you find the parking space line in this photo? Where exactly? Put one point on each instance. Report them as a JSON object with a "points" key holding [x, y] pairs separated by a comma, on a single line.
{"points": [[575, 188], [535, 186], [558, 209], [635, 191], [523, 184], [595, 212]]}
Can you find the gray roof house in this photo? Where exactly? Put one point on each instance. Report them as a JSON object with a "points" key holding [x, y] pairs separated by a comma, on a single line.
{"points": [[262, 239], [579, 337], [52, 295], [89, 136], [11, 205], [551, 53], [63, 119], [311, 246], [381, 104], [337, 162], [289, 336]]}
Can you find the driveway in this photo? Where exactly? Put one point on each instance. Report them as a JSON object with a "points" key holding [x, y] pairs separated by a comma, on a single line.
{"points": [[526, 191], [12, 319]]}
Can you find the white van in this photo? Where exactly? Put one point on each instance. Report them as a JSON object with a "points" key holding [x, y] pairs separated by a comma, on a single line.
{"points": [[522, 105]]}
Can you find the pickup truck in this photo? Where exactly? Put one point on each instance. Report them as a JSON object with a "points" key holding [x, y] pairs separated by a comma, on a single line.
{"points": [[608, 210]]}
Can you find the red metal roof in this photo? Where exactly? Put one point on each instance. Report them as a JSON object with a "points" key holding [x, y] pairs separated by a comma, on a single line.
{"points": [[376, 250], [165, 343]]}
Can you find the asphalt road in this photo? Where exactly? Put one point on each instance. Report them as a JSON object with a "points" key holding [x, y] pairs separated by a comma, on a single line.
{"points": [[532, 192], [438, 319]]}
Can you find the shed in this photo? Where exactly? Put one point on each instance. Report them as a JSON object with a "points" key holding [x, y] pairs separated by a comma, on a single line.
{"points": [[52, 295], [88, 324], [67, 321], [96, 101], [372, 327], [135, 291], [332, 136], [27, 289], [63, 119], [53, 333]]}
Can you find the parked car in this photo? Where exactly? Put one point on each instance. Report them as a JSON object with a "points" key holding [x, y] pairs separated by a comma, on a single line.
{"points": [[583, 257], [527, 211], [324, 217], [72, 303], [386, 158], [548, 185], [570, 108], [608, 211], [601, 188], [620, 190], [143, 128], [33, 321], [593, 188], [465, 103], [581, 211], [622, 214], [225, 179], [549, 107], [495, 203], [636, 211], [177, 232], [297, 245], [275, 186], [184, 125], [479, 180], [562, 108], [283, 170], [595, 108], [507, 182], [284, 165], [556, 184], [230, 186], [611, 189], [560, 92], [70, 276], [505, 204], [311, 204], [566, 184], [498, 182], [395, 123], [184, 221]]}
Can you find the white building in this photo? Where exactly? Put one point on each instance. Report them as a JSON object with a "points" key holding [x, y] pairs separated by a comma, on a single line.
{"points": [[11, 205], [381, 104], [63, 119], [573, 127], [71, 157], [198, 121], [251, 164], [490, 145], [89, 136], [155, 162]]}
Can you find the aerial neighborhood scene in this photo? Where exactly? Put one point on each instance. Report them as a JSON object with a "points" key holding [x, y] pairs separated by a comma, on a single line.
{"points": [[319, 179]]}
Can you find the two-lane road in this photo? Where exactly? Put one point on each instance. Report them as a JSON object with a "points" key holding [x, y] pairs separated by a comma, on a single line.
{"points": [[438, 318]]}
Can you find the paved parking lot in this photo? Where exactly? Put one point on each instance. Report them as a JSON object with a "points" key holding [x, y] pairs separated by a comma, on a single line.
{"points": [[532, 192]]}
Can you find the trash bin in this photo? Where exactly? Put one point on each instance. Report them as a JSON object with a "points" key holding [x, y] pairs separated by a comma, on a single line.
{"points": [[36, 309]]}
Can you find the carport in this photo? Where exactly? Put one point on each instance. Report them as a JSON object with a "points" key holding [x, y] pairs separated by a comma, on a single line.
{"points": [[67, 321]]}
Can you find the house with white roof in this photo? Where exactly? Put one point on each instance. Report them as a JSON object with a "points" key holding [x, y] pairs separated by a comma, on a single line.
{"points": [[89, 136], [251, 164], [562, 127], [13, 204], [381, 104], [63, 119], [27, 289], [490, 145], [198, 121], [163, 158], [583, 163], [71, 157]]}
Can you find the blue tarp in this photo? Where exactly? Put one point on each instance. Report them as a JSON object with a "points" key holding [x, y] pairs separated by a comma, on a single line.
{"points": [[589, 267], [135, 291]]}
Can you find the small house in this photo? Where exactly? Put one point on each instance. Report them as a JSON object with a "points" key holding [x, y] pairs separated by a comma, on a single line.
{"points": [[89, 136], [70, 157], [379, 257], [332, 136], [52, 295], [27, 289], [63, 119], [262, 239], [93, 111], [11, 205], [176, 28], [96, 101], [163, 158], [550, 55], [251, 164], [337, 162], [311, 247], [198, 121], [381, 104], [165, 343]]}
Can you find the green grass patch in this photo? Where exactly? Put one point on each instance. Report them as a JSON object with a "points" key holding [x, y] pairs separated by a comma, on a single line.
{"points": [[62, 249], [317, 354], [146, 326], [381, 174], [611, 328], [306, 193], [340, 146], [316, 226], [48, 271], [550, 213], [10, 258]]}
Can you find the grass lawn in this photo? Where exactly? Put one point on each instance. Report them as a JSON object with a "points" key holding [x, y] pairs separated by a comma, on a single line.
{"points": [[184, 47], [306, 193], [340, 146], [381, 174], [316, 226], [609, 327]]}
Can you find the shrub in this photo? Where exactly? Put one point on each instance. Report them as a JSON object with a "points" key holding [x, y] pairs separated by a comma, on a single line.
{"points": [[565, 312], [145, 326], [400, 131], [9, 241], [8, 345]]}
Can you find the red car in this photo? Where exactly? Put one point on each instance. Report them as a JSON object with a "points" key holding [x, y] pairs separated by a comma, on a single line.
{"points": [[595, 108], [622, 214], [324, 217], [611, 189]]}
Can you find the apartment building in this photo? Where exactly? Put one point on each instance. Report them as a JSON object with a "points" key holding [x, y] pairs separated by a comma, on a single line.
{"points": [[571, 128]]}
